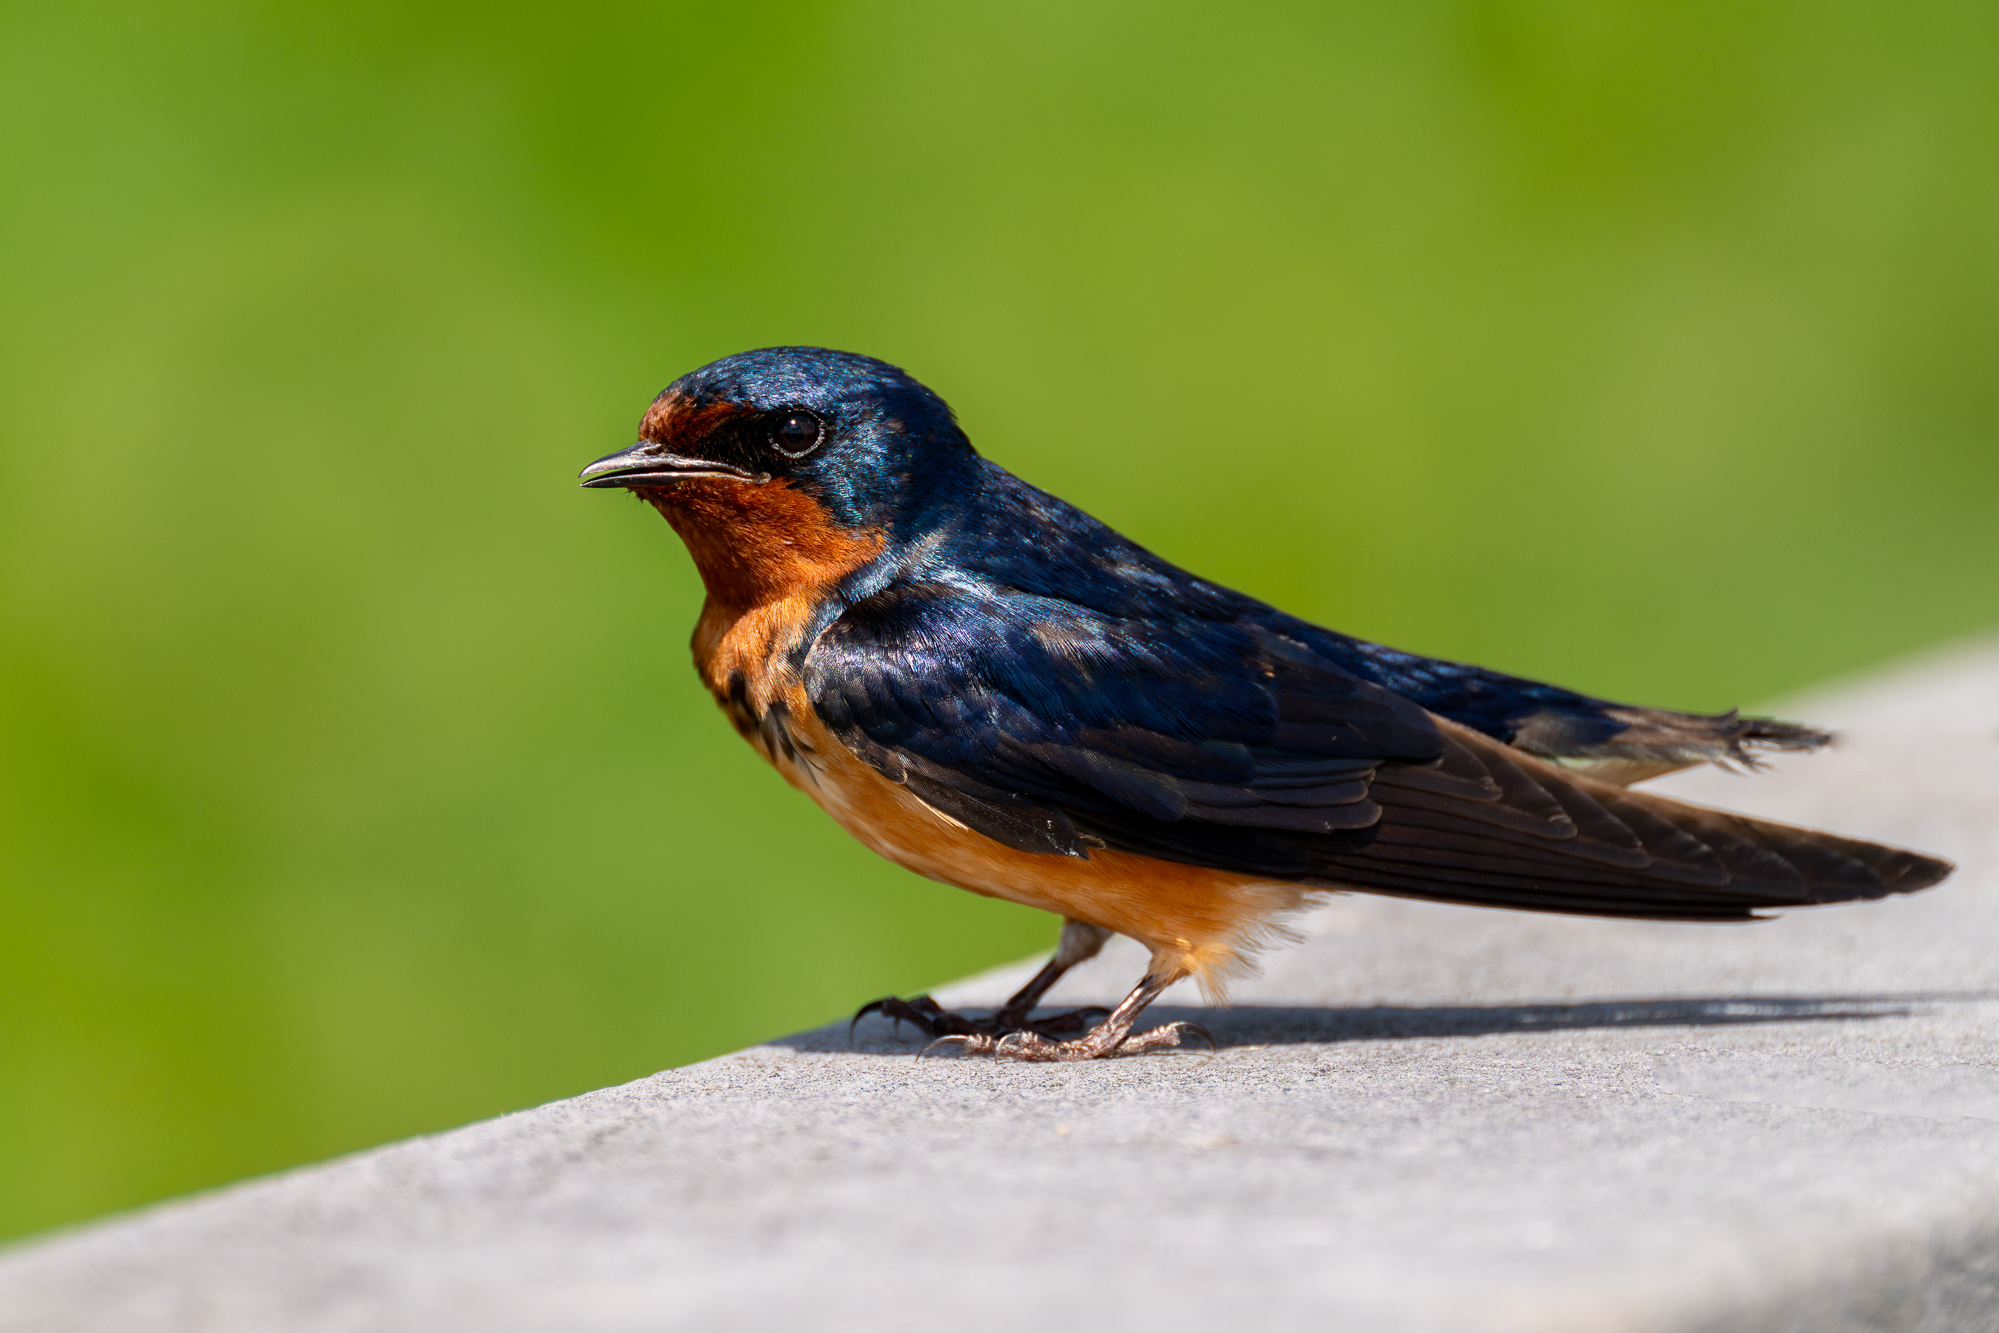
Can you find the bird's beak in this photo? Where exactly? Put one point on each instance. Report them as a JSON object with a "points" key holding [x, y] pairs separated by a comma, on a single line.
{"points": [[649, 464]]}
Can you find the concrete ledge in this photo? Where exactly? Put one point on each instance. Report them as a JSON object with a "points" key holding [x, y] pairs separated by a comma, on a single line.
{"points": [[1426, 1118]]}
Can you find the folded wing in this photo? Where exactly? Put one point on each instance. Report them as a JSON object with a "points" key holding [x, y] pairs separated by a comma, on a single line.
{"points": [[1054, 728]]}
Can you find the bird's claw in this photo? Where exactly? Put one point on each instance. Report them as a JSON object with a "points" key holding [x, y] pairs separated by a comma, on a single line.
{"points": [[1030, 1046], [932, 1019], [1185, 1028], [922, 1013], [974, 1043], [871, 1007]]}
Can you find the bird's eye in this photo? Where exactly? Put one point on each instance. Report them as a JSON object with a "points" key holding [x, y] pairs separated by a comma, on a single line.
{"points": [[797, 434]]}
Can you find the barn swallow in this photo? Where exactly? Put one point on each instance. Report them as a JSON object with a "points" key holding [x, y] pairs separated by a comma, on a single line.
{"points": [[991, 688]]}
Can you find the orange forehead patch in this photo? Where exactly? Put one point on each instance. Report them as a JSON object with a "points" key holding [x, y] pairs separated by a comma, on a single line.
{"points": [[675, 419]]}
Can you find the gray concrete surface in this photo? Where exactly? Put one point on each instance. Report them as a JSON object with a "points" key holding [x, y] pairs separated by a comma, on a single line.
{"points": [[1426, 1118]]}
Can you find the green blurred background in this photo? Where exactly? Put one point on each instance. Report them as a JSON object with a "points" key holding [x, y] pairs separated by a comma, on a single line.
{"points": [[353, 778]]}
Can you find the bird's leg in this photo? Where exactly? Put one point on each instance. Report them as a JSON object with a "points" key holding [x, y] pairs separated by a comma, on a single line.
{"points": [[1079, 942], [1111, 1037]]}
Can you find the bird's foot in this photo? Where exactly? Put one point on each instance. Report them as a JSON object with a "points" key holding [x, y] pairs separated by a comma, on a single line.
{"points": [[931, 1018], [1104, 1041]]}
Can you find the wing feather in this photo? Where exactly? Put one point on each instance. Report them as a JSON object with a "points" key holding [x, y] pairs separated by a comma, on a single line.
{"points": [[1055, 728]]}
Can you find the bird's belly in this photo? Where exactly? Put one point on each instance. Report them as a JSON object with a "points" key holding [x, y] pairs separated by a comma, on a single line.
{"points": [[1196, 920]]}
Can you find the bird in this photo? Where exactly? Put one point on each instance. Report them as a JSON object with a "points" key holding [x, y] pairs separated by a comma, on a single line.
{"points": [[989, 687]]}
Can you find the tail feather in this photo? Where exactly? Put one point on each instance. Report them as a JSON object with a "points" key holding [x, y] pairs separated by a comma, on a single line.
{"points": [[1610, 852]]}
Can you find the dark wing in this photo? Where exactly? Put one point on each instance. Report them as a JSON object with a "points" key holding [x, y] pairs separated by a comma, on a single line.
{"points": [[1054, 728], [1022, 716]]}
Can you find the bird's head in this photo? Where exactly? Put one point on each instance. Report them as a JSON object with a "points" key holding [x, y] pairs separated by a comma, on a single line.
{"points": [[777, 465]]}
